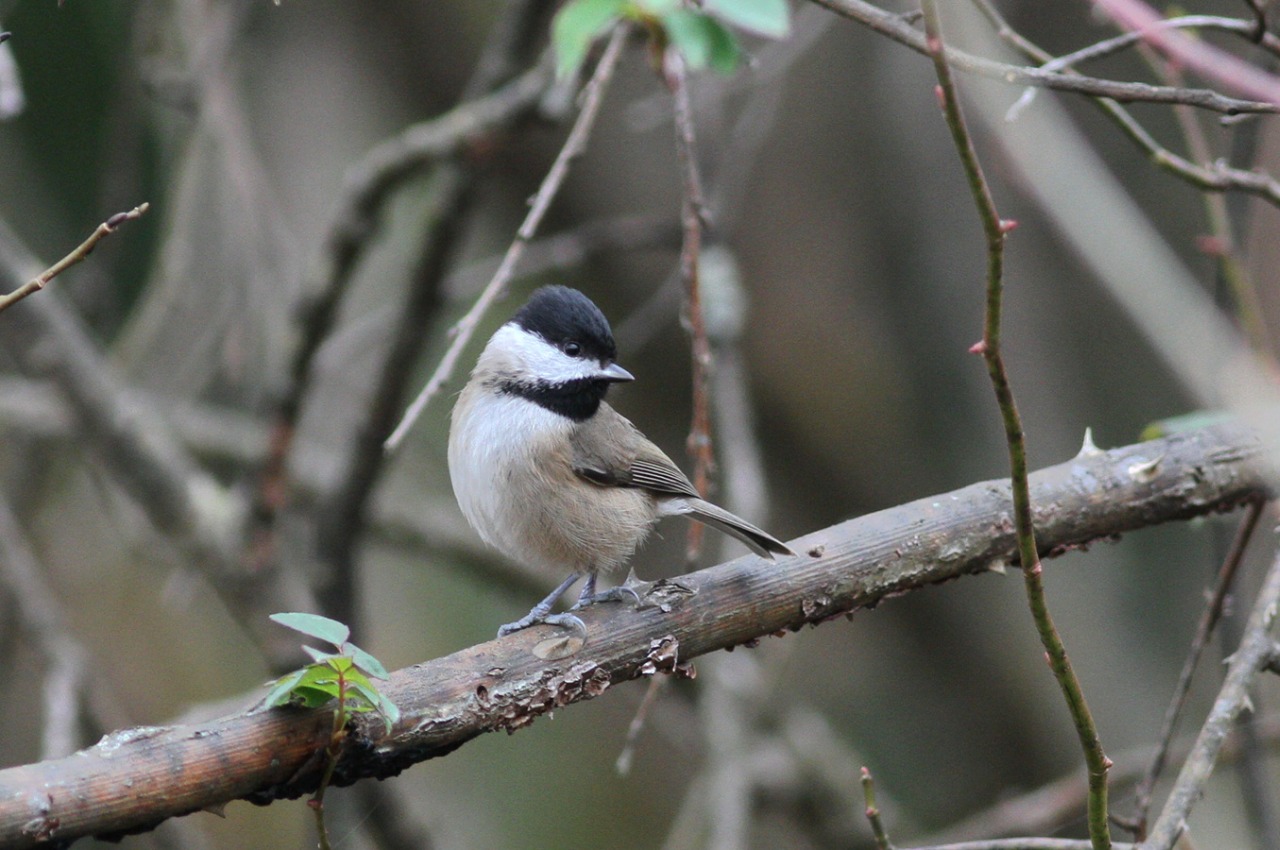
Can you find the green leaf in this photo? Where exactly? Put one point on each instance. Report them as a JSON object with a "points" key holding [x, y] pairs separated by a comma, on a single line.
{"points": [[319, 656], [339, 663], [309, 697], [367, 697], [657, 8], [702, 41], [1185, 422], [282, 690], [313, 625], [388, 709], [769, 18], [378, 701], [312, 686], [319, 676], [576, 26], [367, 662]]}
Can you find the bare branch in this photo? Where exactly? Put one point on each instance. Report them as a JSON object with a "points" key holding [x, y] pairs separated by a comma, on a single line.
{"points": [[575, 144], [1210, 61], [1204, 629], [178, 497], [1252, 656], [86, 247], [896, 28], [503, 685]]}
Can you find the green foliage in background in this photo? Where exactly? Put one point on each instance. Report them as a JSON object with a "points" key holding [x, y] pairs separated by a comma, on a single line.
{"points": [[701, 35]]}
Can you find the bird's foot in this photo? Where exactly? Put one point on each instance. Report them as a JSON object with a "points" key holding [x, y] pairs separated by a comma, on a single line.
{"points": [[613, 594], [537, 617]]}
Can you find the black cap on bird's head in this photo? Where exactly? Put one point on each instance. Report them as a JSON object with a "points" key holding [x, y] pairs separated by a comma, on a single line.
{"points": [[570, 321]]}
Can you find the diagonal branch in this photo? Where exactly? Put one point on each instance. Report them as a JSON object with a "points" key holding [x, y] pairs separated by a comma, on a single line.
{"points": [[575, 144], [503, 685], [82, 251], [1252, 656]]}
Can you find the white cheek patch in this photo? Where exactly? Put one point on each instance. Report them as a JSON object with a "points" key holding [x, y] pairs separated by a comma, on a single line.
{"points": [[529, 355]]}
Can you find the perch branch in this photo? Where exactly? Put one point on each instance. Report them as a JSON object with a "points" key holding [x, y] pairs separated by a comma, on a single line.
{"points": [[137, 778]]}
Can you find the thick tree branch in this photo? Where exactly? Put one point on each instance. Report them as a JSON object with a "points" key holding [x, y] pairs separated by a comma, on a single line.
{"points": [[135, 779]]}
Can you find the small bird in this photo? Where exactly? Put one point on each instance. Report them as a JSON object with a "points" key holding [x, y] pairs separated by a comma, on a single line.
{"points": [[551, 475]]}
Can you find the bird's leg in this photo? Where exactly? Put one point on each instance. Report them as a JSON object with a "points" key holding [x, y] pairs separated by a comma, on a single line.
{"points": [[613, 594], [541, 613]]}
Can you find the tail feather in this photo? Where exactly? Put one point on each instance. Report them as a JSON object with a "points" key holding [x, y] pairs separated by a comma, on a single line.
{"points": [[757, 540]]}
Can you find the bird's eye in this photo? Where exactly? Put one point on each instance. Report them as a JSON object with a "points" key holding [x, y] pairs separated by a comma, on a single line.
{"points": [[572, 349]]}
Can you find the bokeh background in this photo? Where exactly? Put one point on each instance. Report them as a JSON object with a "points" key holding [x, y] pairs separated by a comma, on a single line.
{"points": [[836, 195]]}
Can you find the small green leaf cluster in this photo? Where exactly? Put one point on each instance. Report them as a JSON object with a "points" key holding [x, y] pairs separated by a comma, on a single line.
{"points": [[699, 32], [344, 676]]}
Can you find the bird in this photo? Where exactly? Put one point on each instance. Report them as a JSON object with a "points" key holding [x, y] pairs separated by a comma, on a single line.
{"points": [[548, 473]]}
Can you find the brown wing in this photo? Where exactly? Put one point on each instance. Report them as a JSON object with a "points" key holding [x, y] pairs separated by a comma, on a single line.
{"points": [[608, 450]]}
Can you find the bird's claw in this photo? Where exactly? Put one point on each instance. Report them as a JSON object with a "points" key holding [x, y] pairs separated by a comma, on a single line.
{"points": [[613, 594], [534, 618]]}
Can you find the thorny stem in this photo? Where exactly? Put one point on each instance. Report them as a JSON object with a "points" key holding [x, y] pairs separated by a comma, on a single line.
{"points": [[592, 96], [995, 230], [873, 812], [85, 248], [699, 443]]}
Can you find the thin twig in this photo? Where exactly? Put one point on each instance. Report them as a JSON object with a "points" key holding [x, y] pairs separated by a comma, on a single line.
{"points": [[575, 144], [367, 185], [896, 28], [1232, 273], [1252, 656], [1204, 629], [1111, 46], [1213, 175], [1197, 54], [134, 444], [699, 444], [873, 812], [86, 247], [995, 230]]}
